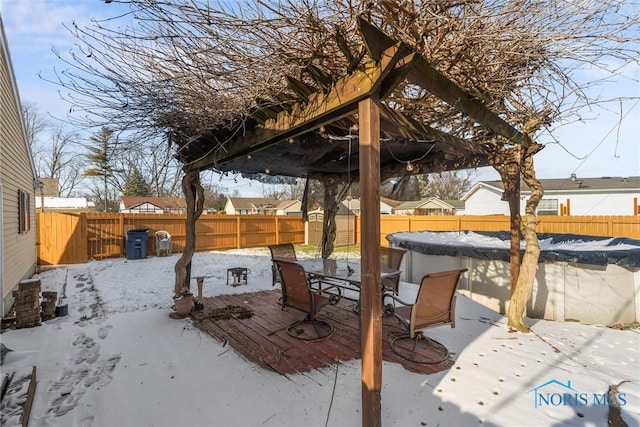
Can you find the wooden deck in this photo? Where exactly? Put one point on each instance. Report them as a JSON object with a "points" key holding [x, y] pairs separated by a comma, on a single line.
{"points": [[262, 338]]}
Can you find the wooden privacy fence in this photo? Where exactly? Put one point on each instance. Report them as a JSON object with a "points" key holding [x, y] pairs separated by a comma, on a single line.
{"points": [[69, 238]]}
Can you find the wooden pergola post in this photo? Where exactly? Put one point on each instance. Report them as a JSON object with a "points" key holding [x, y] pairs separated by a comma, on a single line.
{"points": [[370, 293]]}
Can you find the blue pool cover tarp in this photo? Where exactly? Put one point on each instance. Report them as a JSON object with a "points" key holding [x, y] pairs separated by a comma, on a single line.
{"points": [[495, 246]]}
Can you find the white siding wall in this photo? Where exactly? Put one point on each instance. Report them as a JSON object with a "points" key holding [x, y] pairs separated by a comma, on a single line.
{"points": [[294, 207], [597, 203], [16, 173], [228, 208], [486, 201]]}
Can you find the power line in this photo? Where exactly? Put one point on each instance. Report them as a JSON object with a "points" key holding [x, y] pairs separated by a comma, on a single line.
{"points": [[616, 126]]}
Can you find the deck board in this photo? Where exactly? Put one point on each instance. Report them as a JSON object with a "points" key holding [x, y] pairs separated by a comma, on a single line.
{"points": [[263, 339]]}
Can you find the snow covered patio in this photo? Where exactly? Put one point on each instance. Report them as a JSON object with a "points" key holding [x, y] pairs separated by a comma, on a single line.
{"points": [[119, 359]]}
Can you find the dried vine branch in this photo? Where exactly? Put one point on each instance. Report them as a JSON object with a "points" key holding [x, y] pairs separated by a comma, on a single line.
{"points": [[190, 66]]}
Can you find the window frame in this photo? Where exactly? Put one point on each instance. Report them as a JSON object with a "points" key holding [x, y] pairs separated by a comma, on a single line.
{"points": [[24, 212], [548, 208]]}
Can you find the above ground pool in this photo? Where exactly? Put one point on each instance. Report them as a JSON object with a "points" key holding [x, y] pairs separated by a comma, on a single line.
{"points": [[579, 278]]}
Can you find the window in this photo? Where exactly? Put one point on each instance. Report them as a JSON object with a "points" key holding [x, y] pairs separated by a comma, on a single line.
{"points": [[548, 207], [24, 211]]}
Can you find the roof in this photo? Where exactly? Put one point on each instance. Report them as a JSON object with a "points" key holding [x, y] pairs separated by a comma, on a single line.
{"points": [[286, 204], [131, 202], [415, 204], [254, 202], [354, 205], [456, 204], [63, 202], [411, 204], [391, 202], [569, 184]]}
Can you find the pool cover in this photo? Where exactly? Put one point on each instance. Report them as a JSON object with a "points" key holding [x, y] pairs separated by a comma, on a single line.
{"points": [[495, 246]]}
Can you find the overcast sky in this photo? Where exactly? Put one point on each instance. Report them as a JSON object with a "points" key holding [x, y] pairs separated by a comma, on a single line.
{"points": [[605, 143]]}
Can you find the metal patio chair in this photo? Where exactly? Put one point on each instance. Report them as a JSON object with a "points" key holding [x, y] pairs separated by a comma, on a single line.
{"points": [[298, 294], [285, 251], [434, 306], [390, 258], [163, 242]]}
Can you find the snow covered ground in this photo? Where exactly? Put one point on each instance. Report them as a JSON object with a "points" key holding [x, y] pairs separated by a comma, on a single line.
{"points": [[118, 359]]}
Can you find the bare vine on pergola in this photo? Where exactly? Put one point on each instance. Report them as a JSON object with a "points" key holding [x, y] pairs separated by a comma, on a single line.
{"points": [[186, 68]]}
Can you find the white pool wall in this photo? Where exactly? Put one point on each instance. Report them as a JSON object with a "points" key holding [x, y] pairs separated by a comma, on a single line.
{"points": [[563, 291]]}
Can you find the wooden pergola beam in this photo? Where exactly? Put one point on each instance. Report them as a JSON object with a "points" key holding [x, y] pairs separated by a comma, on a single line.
{"points": [[320, 109], [402, 121], [427, 77]]}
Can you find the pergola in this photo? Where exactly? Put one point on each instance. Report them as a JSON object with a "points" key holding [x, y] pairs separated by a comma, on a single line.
{"points": [[340, 130]]}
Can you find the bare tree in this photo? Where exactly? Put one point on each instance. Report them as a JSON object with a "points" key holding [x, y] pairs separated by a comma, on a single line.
{"points": [[54, 149], [214, 197], [61, 160], [189, 67], [34, 124], [285, 191], [449, 185], [155, 160]]}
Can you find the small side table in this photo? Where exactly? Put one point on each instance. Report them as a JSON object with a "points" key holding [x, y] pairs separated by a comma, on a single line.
{"points": [[237, 276]]}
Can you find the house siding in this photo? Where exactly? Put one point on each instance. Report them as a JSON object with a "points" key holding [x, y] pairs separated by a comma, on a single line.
{"points": [[620, 203], [18, 259], [487, 201]]}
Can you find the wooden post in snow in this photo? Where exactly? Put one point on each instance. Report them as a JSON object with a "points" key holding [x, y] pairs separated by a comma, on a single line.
{"points": [[370, 292]]}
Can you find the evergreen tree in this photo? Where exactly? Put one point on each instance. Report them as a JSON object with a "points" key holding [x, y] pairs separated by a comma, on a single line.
{"points": [[136, 185], [102, 150]]}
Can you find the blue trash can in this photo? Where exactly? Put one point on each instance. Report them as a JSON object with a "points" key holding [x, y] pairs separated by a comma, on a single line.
{"points": [[136, 243]]}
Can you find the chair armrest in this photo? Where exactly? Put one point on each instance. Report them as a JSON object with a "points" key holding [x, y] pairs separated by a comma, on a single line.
{"points": [[395, 298], [333, 297]]}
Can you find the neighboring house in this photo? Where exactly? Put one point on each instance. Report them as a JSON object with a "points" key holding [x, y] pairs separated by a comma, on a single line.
{"points": [[391, 202], [354, 206], [430, 206], [153, 205], [261, 206], [64, 204], [565, 196], [18, 182]]}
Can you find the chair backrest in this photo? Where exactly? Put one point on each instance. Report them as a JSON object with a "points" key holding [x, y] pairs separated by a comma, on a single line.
{"points": [[295, 287], [162, 235], [435, 303], [284, 251], [392, 259]]}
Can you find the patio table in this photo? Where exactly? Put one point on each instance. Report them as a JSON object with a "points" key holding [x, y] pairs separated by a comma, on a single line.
{"points": [[342, 273]]}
